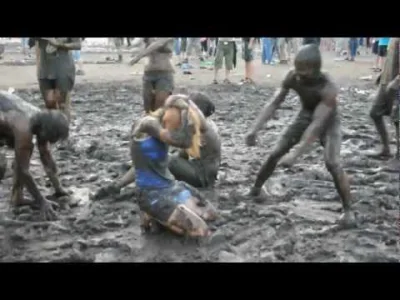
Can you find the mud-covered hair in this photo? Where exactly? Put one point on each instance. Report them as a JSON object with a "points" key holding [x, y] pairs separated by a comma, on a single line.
{"points": [[50, 125], [309, 56], [181, 102], [204, 103]]}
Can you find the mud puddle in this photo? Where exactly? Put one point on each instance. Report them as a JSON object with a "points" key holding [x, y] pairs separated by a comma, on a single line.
{"points": [[295, 225]]}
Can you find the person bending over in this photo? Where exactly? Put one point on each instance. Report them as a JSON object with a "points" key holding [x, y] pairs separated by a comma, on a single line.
{"points": [[19, 122]]}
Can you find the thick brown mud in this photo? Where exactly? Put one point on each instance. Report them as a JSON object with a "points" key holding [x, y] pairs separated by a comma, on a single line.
{"points": [[296, 224]]}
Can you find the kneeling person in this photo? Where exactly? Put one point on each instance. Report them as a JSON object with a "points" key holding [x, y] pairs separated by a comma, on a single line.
{"points": [[174, 204]]}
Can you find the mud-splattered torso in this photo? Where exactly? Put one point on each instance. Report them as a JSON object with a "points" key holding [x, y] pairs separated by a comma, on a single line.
{"points": [[310, 94], [160, 59]]}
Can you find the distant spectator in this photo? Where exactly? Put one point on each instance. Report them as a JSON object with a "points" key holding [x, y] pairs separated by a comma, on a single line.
{"points": [[353, 45], [382, 52], [76, 54], [282, 50], [225, 51], [266, 52]]}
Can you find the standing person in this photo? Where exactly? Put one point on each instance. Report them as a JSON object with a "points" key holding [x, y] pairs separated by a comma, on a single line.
{"points": [[353, 45], [318, 119], [56, 71], [177, 46], [248, 57], [266, 51], [194, 44], [78, 61], [225, 51], [382, 51], [158, 77], [282, 45], [385, 98], [25, 47], [291, 47], [118, 43]]}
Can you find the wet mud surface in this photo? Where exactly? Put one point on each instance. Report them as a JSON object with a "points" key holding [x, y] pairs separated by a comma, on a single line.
{"points": [[295, 225]]}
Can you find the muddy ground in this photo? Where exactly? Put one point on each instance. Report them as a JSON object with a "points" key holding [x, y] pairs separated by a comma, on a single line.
{"points": [[294, 226]]}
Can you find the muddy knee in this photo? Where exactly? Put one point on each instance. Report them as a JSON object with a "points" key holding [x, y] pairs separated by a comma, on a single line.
{"points": [[184, 221]]}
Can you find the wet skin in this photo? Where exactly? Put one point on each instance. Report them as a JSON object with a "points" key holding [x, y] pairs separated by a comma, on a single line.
{"points": [[159, 51], [19, 122], [317, 119]]}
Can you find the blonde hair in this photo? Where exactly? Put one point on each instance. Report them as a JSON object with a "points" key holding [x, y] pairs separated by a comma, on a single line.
{"points": [[180, 102]]}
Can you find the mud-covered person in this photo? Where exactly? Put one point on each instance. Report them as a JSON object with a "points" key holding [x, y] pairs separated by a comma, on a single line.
{"points": [[171, 203], [158, 77], [56, 71], [384, 100], [19, 123], [199, 172], [318, 118]]}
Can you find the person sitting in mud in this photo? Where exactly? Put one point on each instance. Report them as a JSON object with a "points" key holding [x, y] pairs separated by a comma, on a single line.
{"points": [[158, 77], [19, 122], [200, 173], [171, 203], [56, 70], [384, 99], [318, 118]]}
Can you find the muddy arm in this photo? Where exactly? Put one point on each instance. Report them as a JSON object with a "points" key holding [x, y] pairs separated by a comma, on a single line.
{"points": [[269, 109], [151, 48], [180, 138], [22, 159], [49, 166]]}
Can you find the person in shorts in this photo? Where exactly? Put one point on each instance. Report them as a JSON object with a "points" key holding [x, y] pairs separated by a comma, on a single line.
{"points": [[225, 50], [56, 71]]}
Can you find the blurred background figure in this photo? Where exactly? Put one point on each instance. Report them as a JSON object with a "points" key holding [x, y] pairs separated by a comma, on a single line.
{"points": [[25, 47], [76, 54], [353, 45]]}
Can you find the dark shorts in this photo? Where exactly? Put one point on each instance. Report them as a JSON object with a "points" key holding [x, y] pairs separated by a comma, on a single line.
{"points": [[247, 53], [159, 81], [295, 131], [63, 84], [183, 45], [375, 47], [161, 203], [382, 50]]}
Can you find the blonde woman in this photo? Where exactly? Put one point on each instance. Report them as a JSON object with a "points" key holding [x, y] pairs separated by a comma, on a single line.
{"points": [[171, 203]]}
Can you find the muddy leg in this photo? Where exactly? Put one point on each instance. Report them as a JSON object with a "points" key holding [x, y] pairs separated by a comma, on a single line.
{"points": [[378, 111], [164, 87], [148, 94], [63, 94], [291, 137], [332, 143], [47, 89]]}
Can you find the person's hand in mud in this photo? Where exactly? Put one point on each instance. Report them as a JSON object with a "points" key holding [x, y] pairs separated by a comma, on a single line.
{"points": [[47, 212], [251, 139], [107, 191]]}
